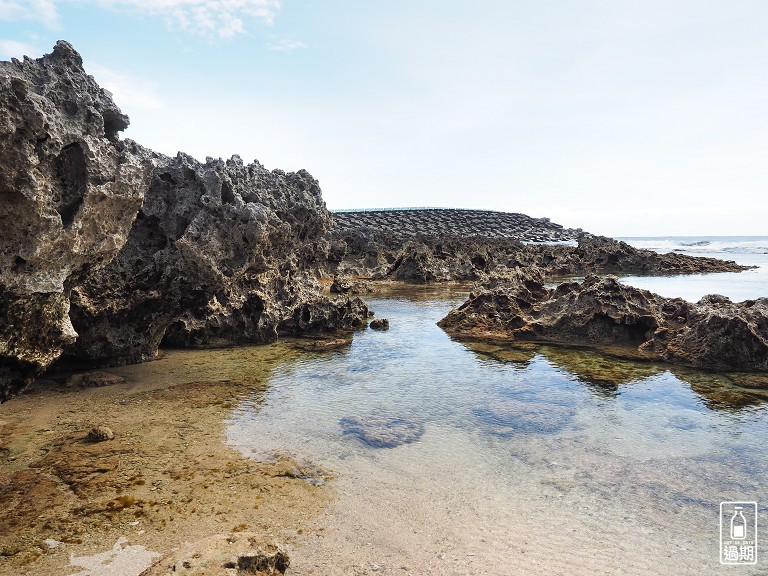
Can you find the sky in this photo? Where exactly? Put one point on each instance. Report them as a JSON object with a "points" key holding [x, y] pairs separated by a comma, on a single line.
{"points": [[625, 118]]}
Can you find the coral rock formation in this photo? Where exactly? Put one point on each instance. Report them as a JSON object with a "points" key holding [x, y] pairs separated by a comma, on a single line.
{"points": [[439, 258], [70, 191], [714, 333], [220, 253]]}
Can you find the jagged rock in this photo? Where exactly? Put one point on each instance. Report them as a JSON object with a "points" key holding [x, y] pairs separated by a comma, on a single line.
{"points": [[220, 253], [379, 324], [382, 431], [346, 286], [714, 333], [382, 254], [70, 191]]}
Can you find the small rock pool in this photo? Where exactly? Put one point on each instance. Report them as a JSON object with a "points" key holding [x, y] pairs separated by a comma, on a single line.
{"points": [[451, 458]]}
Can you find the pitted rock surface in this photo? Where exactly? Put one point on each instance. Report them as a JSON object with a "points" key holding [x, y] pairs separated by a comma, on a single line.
{"points": [[444, 257], [70, 191], [712, 334], [221, 253]]}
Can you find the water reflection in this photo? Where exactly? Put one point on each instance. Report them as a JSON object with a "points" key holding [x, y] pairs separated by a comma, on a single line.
{"points": [[443, 441], [605, 375]]}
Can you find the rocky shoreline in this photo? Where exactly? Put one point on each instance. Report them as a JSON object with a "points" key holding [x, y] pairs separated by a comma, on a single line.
{"points": [[713, 334], [432, 258], [110, 249]]}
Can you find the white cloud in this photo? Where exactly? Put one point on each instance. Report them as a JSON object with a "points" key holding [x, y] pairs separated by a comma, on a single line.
{"points": [[41, 10], [287, 45], [211, 18], [15, 49], [129, 93]]}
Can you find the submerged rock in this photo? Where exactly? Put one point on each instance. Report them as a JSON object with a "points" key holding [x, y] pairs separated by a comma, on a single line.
{"points": [[381, 431], [95, 379], [70, 191], [714, 333], [506, 416]]}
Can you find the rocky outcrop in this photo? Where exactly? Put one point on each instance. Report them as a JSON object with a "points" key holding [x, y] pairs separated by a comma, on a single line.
{"points": [[714, 334], [220, 253], [439, 258], [109, 248], [70, 191]]}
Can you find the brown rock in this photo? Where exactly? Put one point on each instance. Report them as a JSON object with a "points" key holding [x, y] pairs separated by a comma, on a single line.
{"points": [[100, 434], [714, 333], [443, 256], [70, 190], [221, 253]]}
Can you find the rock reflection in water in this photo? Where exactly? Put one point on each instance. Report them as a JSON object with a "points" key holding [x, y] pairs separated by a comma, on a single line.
{"points": [[507, 430], [604, 374]]}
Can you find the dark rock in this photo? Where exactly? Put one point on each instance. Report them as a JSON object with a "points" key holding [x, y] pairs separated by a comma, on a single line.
{"points": [[70, 191], [406, 224], [714, 333], [381, 431], [221, 253], [379, 324]]}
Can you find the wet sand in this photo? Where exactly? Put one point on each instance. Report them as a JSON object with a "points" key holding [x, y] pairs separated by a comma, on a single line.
{"points": [[165, 481]]}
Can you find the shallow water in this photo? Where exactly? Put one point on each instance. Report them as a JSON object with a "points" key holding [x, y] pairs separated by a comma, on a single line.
{"points": [[535, 461]]}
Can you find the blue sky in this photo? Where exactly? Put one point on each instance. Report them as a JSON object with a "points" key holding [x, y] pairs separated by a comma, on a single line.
{"points": [[622, 118]]}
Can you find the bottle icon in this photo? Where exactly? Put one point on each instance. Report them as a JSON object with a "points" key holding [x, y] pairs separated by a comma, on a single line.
{"points": [[738, 525]]}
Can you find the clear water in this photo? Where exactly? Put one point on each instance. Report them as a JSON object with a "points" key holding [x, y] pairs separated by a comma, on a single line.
{"points": [[533, 461]]}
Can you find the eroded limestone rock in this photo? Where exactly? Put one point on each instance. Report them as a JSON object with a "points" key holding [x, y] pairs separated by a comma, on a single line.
{"points": [[69, 191], [382, 430], [220, 253], [714, 333], [444, 257]]}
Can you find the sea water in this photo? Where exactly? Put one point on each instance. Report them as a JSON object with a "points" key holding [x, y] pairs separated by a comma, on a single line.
{"points": [[542, 460], [738, 286]]}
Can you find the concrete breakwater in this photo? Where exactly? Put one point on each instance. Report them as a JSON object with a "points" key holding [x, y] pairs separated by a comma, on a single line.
{"points": [[411, 222]]}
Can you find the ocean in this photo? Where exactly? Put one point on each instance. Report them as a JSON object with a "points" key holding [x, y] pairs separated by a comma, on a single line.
{"points": [[738, 286]]}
